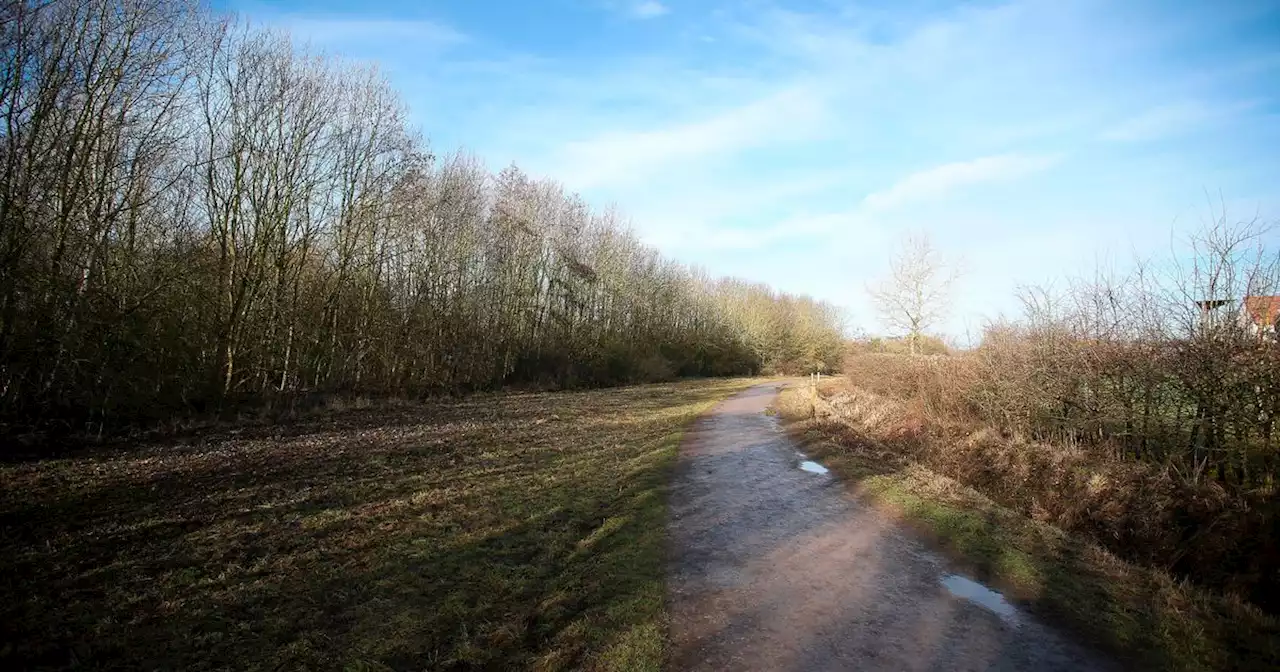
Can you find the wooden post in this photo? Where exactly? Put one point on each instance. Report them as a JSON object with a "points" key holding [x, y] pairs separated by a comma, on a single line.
{"points": [[813, 395]]}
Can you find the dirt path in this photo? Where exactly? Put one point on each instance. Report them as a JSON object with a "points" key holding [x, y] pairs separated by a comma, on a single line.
{"points": [[775, 567]]}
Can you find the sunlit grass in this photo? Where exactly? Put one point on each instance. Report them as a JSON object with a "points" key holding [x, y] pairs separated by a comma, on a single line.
{"points": [[498, 531]]}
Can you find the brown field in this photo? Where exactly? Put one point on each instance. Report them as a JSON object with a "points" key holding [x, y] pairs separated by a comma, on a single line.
{"points": [[499, 531]]}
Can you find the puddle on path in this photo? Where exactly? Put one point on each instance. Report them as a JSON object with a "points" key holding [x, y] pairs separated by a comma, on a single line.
{"points": [[812, 467], [809, 465], [980, 595]]}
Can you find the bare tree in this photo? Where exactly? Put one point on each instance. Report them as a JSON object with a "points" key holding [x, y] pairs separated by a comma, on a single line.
{"points": [[914, 297], [196, 213]]}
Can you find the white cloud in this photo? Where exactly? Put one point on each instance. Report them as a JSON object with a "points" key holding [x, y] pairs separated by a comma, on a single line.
{"points": [[838, 227], [731, 213], [648, 9], [831, 227], [691, 234], [793, 146], [938, 180], [346, 31], [1172, 119], [621, 158]]}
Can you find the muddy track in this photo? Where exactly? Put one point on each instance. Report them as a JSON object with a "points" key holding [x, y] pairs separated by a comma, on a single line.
{"points": [[774, 566]]}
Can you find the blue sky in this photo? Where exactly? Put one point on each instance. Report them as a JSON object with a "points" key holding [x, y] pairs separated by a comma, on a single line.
{"points": [[796, 142]]}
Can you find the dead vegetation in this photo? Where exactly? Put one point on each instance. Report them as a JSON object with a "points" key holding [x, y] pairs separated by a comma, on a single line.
{"points": [[1120, 437], [1148, 511], [1136, 408], [498, 531], [1045, 523]]}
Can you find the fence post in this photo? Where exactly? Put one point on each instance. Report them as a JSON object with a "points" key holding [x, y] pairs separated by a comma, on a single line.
{"points": [[813, 395]]}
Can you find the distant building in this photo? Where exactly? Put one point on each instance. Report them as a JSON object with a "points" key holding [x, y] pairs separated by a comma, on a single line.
{"points": [[1209, 313], [1258, 315], [1261, 315]]}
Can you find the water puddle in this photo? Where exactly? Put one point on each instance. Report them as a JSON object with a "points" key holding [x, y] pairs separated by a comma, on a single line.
{"points": [[980, 595], [812, 467]]}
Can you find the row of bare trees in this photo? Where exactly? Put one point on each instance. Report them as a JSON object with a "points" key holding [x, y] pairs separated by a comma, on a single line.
{"points": [[1161, 363], [1174, 361], [193, 213], [1137, 407]]}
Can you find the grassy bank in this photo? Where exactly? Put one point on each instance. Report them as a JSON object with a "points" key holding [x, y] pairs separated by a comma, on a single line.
{"points": [[1140, 614], [501, 531]]}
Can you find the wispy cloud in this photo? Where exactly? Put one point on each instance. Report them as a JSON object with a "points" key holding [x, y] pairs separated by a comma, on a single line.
{"points": [[709, 216], [934, 182], [625, 157], [682, 234], [345, 31], [648, 9], [1173, 119], [830, 227], [791, 145], [863, 219]]}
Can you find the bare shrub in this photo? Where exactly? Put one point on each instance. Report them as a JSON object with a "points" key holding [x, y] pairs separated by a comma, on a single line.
{"points": [[1136, 408]]}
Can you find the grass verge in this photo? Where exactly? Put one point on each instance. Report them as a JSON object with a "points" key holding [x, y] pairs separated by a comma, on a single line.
{"points": [[1139, 614], [501, 531]]}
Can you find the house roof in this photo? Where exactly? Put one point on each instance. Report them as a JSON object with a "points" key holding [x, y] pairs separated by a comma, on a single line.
{"points": [[1263, 310]]}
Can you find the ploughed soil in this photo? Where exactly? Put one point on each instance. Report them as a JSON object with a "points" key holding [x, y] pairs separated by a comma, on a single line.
{"points": [[775, 565]]}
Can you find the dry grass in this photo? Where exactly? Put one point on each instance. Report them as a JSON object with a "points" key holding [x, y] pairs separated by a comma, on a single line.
{"points": [[498, 532], [1152, 511], [894, 453]]}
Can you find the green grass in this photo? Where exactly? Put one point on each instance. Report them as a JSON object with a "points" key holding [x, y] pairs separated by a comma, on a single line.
{"points": [[501, 531], [1141, 615]]}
